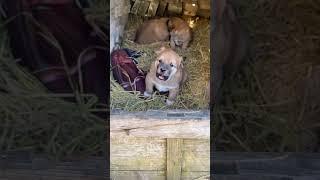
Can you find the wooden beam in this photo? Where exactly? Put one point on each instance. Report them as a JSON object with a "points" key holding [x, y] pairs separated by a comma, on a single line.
{"points": [[135, 7], [162, 8], [153, 8], [174, 159], [138, 175], [143, 8], [194, 125]]}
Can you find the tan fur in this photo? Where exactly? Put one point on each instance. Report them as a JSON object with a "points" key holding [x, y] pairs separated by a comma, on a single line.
{"points": [[180, 32], [176, 79], [153, 30]]}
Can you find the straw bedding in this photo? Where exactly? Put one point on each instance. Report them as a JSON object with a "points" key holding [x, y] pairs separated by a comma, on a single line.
{"points": [[197, 63]]}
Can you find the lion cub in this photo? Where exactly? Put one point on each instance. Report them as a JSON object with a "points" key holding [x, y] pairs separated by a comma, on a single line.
{"points": [[166, 74], [153, 30], [180, 32]]}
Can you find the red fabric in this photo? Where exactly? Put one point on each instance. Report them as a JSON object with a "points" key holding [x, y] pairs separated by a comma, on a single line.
{"points": [[126, 73]]}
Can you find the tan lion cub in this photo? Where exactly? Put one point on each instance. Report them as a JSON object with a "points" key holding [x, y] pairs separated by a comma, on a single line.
{"points": [[180, 32], [166, 74], [153, 30]]}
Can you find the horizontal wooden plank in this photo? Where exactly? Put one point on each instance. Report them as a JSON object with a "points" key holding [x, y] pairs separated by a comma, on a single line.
{"points": [[160, 128], [171, 124], [138, 175], [196, 175], [132, 153], [156, 175], [196, 155]]}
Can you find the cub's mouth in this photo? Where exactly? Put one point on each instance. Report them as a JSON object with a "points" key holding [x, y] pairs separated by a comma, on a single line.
{"points": [[162, 77]]}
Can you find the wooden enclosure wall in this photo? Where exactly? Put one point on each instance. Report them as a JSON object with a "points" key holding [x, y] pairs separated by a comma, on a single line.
{"points": [[119, 12], [160, 145], [150, 8]]}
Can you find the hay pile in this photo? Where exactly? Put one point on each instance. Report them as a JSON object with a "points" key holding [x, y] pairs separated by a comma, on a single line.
{"points": [[197, 64], [33, 119], [273, 104]]}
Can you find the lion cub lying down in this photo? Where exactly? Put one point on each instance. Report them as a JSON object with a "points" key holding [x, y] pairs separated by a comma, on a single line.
{"points": [[153, 30], [166, 74], [163, 29]]}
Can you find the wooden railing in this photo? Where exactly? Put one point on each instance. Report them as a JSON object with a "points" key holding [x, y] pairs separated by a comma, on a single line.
{"points": [[170, 145]]}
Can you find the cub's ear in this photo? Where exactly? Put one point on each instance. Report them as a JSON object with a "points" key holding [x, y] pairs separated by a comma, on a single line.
{"points": [[160, 50]]}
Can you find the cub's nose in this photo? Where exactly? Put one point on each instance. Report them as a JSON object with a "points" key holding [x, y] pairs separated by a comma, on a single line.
{"points": [[162, 70]]}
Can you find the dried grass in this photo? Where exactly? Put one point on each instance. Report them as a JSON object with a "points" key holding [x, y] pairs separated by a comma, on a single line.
{"points": [[272, 105], [33, 119]]}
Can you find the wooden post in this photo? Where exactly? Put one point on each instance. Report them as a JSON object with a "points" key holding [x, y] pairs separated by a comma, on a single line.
{"points": [[153, 8], [162, 8], [174, 159]]}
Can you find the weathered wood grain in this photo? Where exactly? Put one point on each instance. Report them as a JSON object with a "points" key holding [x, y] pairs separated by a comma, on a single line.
{"points": [[147, 156], [159, 141], [196, 129], [153, 8], [143, 8], [138, 175], [136, 6], [174, 159], [162, 8], [196, 155], [132, 153], [169, 125], [195, 175], [119, 11]]}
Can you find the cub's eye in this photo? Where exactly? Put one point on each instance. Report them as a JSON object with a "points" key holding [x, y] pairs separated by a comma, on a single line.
{"points": [[171, 64], [160, 61]]}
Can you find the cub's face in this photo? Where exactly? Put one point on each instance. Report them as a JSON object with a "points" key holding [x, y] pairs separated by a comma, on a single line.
{"points": [[167, 64]]}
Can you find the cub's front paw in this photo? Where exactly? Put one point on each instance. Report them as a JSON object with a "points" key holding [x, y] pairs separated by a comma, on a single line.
{"points": [[169, 103], [146, 94]]}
